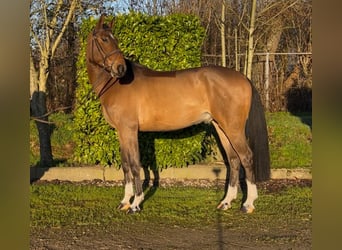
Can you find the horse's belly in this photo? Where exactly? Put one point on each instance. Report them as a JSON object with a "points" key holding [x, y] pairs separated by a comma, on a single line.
{"points": [[170, 106], [167, 121]]}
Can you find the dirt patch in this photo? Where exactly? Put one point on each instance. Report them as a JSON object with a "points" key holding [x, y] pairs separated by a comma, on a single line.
{"points": [[158, 235], [145, 236]]}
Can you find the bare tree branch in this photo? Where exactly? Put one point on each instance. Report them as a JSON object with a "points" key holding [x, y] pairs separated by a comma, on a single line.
{"points": [[269, 20], [65, 24]]}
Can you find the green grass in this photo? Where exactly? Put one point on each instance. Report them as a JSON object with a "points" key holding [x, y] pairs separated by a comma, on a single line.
{"points": [[73, 205], [290, 139]]}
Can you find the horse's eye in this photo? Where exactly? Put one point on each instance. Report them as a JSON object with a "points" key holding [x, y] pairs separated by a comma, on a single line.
{"points": [[105, 39]]}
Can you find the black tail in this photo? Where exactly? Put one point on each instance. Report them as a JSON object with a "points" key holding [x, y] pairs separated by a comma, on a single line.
{"points": [[256, 132]]}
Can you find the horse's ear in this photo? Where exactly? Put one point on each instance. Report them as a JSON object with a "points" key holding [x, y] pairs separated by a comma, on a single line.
{"points": [[99, 24], [111, 24]]}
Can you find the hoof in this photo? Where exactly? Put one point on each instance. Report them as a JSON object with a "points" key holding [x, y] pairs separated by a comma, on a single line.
{"points": [[247, 210], [124, 207], [133, 210], [223, 206]]}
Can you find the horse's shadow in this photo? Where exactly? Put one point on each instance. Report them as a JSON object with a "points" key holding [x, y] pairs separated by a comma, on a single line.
{"points": [[147, 140], [149, 161]]}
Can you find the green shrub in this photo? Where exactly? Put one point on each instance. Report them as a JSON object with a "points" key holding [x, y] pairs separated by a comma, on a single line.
{"points": [[62, 128], [161, 43]]}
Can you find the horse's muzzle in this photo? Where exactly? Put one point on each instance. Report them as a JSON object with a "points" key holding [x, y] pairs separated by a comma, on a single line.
{"points": [[119, 71]]}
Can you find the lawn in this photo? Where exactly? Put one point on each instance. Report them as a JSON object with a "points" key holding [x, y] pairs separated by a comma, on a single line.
{"points": [[60, 205], [84, 216], [290, 140]]}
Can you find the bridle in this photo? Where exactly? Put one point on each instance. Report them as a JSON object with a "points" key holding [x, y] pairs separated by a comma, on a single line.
{"points": [[103, 65], [103, 53]]}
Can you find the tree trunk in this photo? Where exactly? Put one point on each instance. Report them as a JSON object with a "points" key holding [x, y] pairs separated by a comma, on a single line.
{"points": [[47, 45], [251, 40], [39, 112], [223, 34], [274, 38]]}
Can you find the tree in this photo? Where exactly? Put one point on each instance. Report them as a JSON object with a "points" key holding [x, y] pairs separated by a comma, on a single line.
{"points": [[48, 24], [223, 34], [50, 21], [251, 29]]}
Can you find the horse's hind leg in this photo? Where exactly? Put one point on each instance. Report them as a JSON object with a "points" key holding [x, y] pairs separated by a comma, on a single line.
{"points": [[240, 146], [246, 157], [131, 166], [156, 178], [146, 182], [234, 163], [239, 153]]}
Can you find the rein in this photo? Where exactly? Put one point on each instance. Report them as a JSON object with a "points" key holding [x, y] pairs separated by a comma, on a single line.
{"points": [[106, 86]]}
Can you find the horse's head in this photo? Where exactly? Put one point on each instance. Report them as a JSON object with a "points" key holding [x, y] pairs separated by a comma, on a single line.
{"points": [[103, 49]]}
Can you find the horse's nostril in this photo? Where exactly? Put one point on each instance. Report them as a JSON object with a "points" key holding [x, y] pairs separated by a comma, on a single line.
{"points": [[121, 69]]}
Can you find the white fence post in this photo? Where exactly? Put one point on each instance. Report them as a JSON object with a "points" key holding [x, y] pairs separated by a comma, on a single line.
{"points": [[267, 80]]}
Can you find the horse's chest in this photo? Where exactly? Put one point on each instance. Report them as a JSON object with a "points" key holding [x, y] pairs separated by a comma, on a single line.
{"points": [[118, 114]]}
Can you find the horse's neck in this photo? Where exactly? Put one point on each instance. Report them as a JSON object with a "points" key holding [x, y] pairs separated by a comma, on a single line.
{"points": [[98, 77]]}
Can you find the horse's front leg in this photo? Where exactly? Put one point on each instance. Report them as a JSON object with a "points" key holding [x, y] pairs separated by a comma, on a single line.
{"points": [[130, 159], [139, 195], [129, 192]]}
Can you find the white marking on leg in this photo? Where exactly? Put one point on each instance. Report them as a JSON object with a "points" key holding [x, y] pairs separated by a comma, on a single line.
{"points": [[252, 195], [137, 200], [128, 193], [231, 195]]}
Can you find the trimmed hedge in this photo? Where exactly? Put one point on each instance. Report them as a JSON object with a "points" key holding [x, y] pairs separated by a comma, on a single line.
{"points": [[161, 43]]}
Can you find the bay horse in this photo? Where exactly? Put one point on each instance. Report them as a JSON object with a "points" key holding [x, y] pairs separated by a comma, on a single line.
{"points": [[134, 98]]}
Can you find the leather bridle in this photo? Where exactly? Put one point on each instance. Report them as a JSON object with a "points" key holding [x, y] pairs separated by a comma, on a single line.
{"points": [[108, 69], [103, 53]]}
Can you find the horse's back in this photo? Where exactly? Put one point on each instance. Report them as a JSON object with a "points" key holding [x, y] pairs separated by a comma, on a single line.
{"points": [[194, 79]]}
